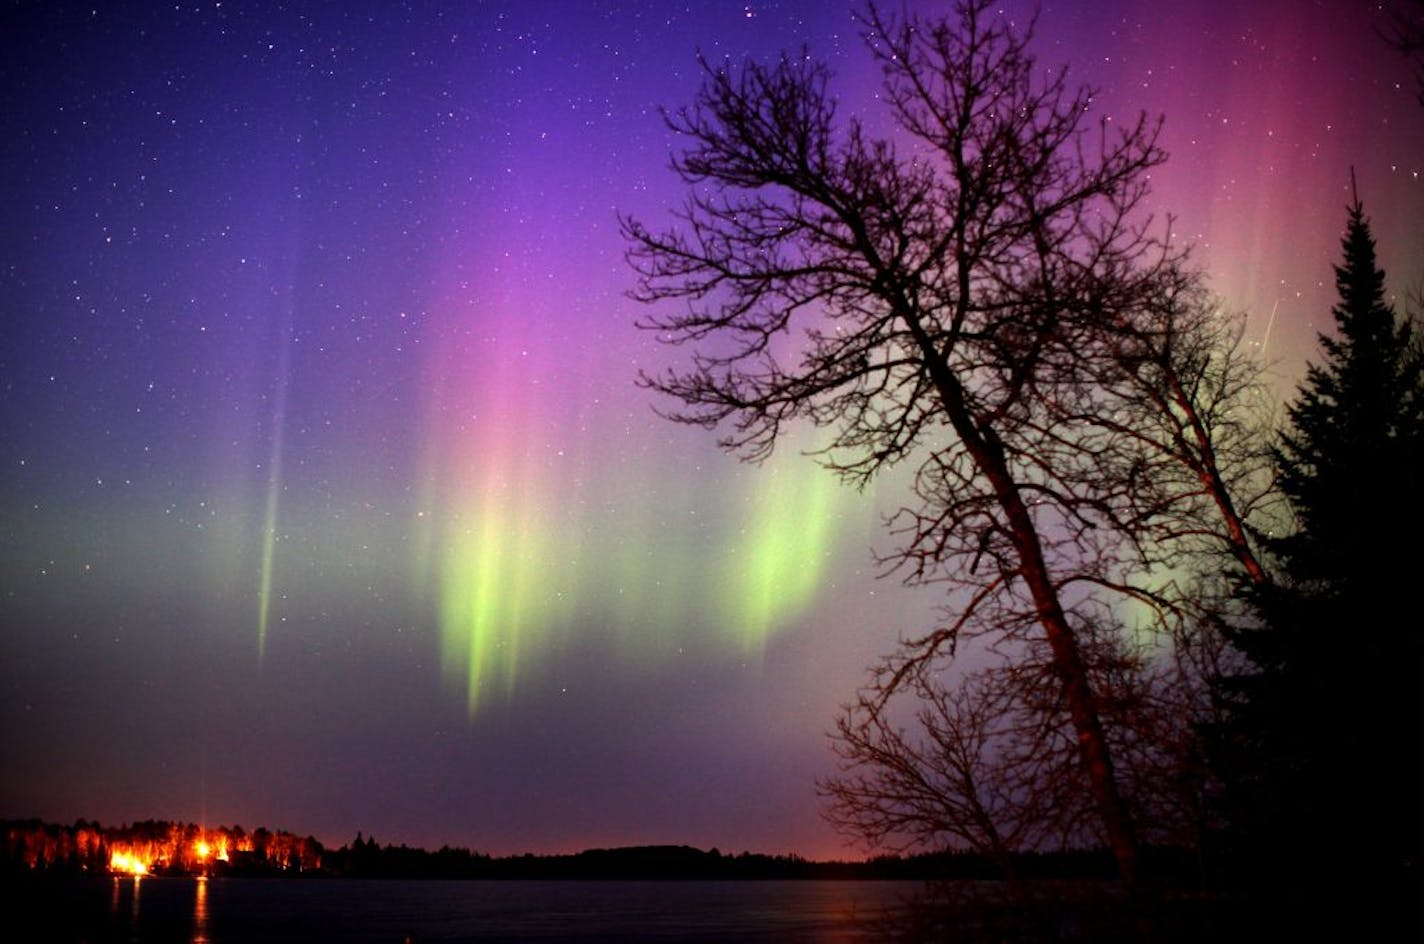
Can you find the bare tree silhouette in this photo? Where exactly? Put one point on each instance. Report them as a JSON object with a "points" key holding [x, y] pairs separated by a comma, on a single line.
{"points": [[954, 295]]}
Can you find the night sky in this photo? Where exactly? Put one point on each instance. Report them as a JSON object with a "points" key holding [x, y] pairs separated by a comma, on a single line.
{"points": [[327, 499]]}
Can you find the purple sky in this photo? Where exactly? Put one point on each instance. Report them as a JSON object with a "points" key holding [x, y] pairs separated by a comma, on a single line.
{"points": [[328, 500]]}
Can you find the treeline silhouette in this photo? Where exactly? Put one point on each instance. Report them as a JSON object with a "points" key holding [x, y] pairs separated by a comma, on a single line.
{"points": [[32, 846]]}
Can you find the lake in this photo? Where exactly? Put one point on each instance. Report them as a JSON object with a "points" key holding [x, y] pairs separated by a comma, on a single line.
{"points": [[238, 911]]}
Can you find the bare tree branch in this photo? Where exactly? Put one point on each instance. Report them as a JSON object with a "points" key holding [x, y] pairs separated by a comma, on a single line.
{"points": [[941, 298]]}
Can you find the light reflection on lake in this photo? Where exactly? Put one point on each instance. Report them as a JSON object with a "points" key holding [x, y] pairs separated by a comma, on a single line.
{"points": [[133, 884], [200, 911], [237, 911]]}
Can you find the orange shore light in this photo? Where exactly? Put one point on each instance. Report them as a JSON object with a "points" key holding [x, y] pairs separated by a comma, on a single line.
{"points": [[127, 863]]}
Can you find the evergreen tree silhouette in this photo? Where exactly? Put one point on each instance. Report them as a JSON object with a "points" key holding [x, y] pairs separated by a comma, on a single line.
{"points": [[1327, 735]]}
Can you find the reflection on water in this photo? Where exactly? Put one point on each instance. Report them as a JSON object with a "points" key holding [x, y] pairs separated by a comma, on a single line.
{"points": [[200, 911], [116, 900], [228, 910], [158, 909]]}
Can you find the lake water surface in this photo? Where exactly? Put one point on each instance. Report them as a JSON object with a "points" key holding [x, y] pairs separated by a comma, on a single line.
{"points": [[238, 911]]}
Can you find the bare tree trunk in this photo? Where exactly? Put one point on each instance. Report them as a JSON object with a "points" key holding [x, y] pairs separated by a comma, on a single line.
{"points": [[983, 446]]}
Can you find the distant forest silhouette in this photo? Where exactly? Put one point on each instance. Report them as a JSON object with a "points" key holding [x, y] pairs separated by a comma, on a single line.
{"points": [[33, 847]]}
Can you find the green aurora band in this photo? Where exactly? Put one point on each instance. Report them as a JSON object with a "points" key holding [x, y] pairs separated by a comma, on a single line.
{"points": [[513, 585]]}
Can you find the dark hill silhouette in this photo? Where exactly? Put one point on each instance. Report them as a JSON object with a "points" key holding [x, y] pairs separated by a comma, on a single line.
{"points": [[29, 846]]}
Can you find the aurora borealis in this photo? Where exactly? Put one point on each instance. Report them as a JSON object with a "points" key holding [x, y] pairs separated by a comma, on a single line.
{"points": [[330, 501]]}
